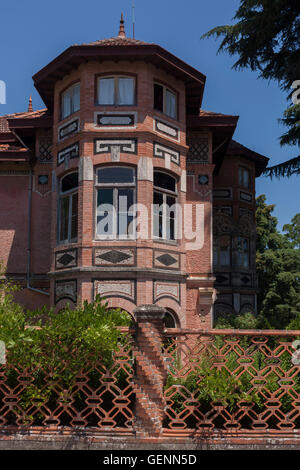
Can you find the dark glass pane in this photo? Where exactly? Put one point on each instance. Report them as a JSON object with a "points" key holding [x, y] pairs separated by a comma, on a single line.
{"points": [[105, 196], [162, 180], [125, 203], [169, 321], [74, 220], [158, 97], [64, 218], [105, 212], [115, 175], [69, 182]]}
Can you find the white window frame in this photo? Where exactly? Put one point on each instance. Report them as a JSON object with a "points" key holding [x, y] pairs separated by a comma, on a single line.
{"points": [[165, 193], [116, 90], [69, 90], [116, 186], [63, 195], [165, 90]]}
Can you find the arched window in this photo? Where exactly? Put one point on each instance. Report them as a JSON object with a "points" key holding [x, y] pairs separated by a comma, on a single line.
{"points": [[170, 320], [68, 208], [164, 206], [115, 188]]}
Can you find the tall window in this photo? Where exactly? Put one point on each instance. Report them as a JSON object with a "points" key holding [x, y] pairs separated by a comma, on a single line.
{"points": [[68, 209], [70, 100], [222, 250], [117, 90], [243, 252], [165, 100], [244, 178], [164, 211], [115, 187]]}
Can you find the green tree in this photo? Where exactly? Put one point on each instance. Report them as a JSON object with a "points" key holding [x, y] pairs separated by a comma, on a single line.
{"points": [[293, 231], [266, 38], [278, 270]]}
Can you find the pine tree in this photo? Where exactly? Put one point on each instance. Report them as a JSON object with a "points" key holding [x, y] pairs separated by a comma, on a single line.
{"points": [[266, 38]]}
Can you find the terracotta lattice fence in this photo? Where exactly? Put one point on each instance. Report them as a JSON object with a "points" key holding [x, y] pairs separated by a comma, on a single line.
{"points": [[95, 395], [232, 380]]}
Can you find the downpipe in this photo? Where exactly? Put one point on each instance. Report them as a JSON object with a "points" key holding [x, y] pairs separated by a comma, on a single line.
{"points": [[28, 286]]}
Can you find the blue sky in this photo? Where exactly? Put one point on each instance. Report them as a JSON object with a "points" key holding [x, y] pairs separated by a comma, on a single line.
{"points": [[34, 32]]}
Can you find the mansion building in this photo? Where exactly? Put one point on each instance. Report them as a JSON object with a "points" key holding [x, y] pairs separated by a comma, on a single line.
{"points": [[123, 122]]}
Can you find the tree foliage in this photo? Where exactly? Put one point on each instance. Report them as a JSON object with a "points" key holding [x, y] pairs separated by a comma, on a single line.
{"points": [[266, 38], [278, 268]]}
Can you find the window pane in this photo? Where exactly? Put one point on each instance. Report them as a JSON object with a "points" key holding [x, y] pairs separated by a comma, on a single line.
{"points": [[74, 217], [115, 175], [105, 212], [157, 214], [76, 97], [66, 104], [64, 218], [246, 179], [69, 182], [126, 91], [158, 97], [162, 180], [106, 91], [240, 177], [125, 214], [171, 104]]}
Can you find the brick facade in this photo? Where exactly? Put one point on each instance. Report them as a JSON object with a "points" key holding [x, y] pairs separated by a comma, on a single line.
{"points": [[196, 149]]}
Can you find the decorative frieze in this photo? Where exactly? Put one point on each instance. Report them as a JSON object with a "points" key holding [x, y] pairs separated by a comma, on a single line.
{"points": [[167, 153], [67, 129], [109, 146], [116, 119], [164, 289], [68, 153], [225, 193], [66, 289], [66, 259], [166, 129], [114, 256], [166, 259], [245, 196], [124, 288], [223, 279]]}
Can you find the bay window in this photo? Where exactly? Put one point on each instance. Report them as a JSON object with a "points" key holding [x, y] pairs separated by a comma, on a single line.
{"points": [[115, 199], [164, 209], [116, 91], [68, 209], [165, 100], [70, 100]]}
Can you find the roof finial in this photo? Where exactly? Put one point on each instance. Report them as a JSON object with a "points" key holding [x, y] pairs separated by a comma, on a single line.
{"points": [[30, 108], [122, 29]]}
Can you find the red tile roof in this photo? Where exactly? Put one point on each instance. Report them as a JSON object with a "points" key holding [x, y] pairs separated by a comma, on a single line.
{"points": [[116, 41]]}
